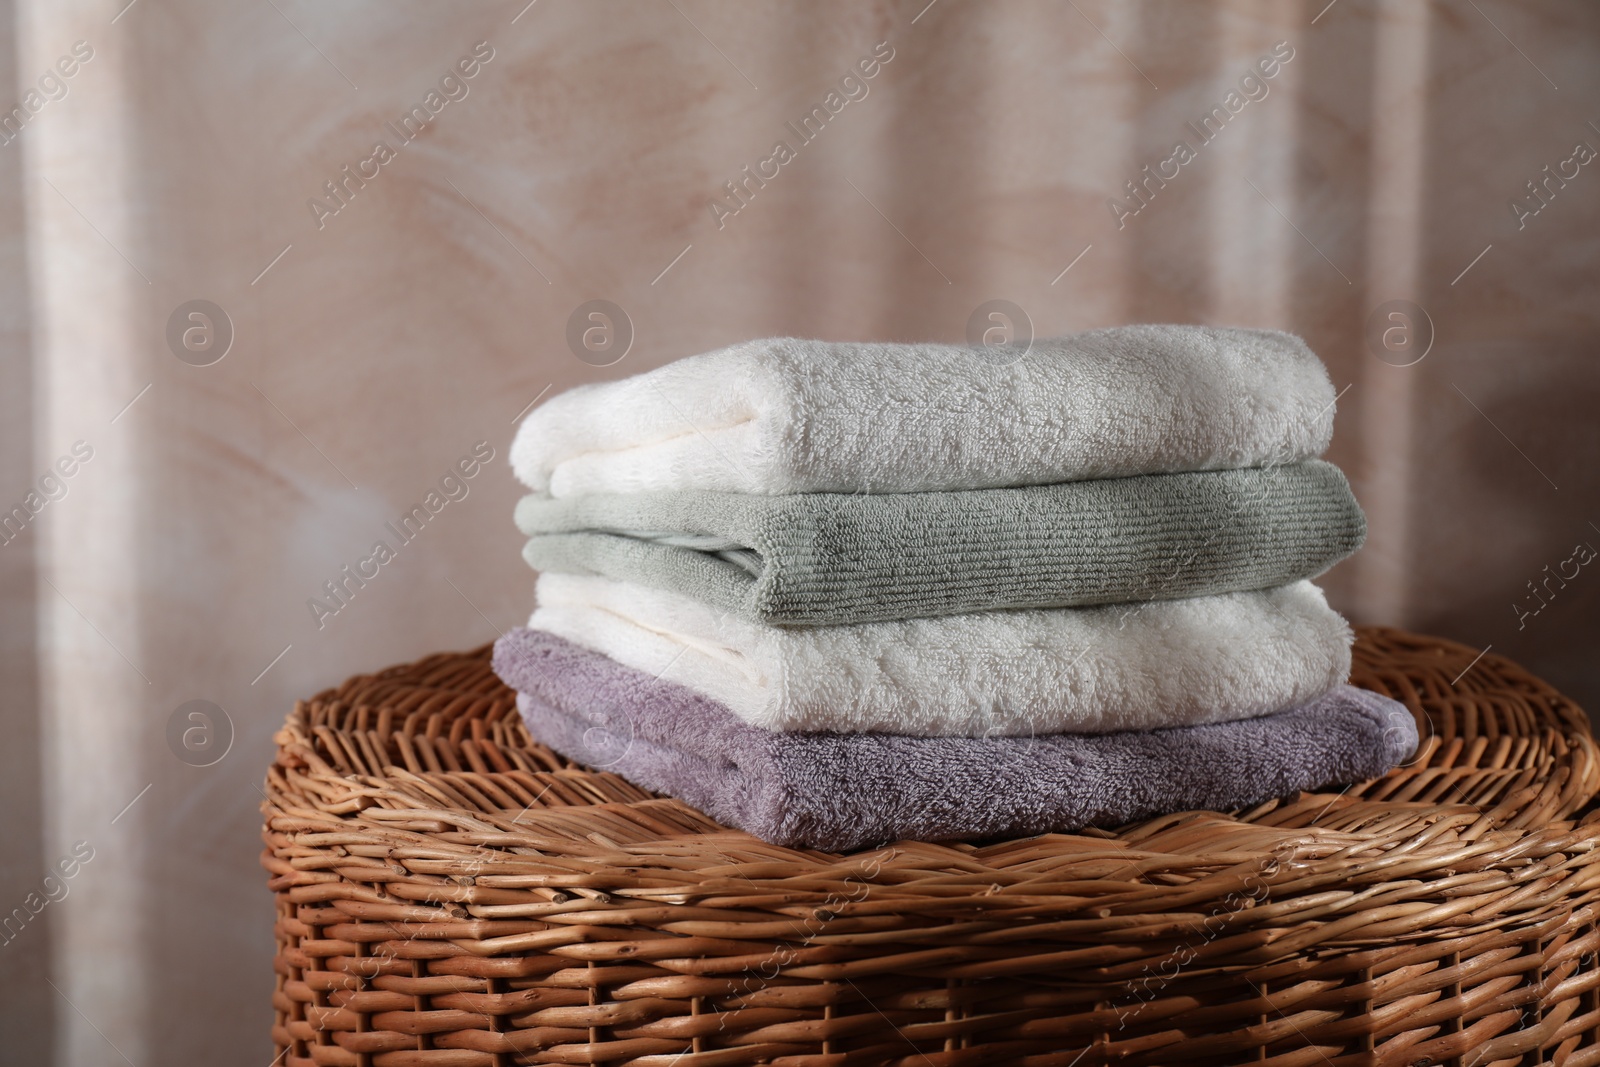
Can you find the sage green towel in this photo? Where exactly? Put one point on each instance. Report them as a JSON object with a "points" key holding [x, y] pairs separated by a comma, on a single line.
{"points": [[829, 559]]}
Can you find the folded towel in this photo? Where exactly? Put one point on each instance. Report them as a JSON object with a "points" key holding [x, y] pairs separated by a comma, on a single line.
{"points": [[789, 416], [826, 559], [838, 792], [1090, 670]]}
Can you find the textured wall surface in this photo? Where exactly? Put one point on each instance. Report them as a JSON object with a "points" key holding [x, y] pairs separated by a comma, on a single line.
{"points": [[374, 345]]}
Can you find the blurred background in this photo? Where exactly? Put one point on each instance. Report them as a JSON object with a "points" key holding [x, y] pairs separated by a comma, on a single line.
{"points": [[239, 337]]}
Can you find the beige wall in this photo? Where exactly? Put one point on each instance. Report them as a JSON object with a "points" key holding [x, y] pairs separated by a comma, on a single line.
{"points": [[432, 308]]}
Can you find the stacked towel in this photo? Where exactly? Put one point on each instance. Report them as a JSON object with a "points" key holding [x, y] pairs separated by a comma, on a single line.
{"points": [[1116, 667], [826, 559], [840, 593], [787, 416], [843, 791]]}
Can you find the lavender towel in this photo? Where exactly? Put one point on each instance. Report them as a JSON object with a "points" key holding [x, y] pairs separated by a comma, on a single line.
{"points": [[840, 792]]}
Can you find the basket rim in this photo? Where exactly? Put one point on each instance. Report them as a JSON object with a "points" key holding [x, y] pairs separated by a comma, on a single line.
{"points": [[1376, 832]]}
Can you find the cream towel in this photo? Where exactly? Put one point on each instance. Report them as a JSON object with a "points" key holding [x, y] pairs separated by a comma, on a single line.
{"points": [[788, 416], [1003, 673]]}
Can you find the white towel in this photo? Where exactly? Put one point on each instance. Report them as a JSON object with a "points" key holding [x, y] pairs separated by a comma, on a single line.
{"points": [[787, 416], [1003, 673]]}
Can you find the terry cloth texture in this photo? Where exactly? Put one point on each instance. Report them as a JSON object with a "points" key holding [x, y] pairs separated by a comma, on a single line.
{"points": [[826, 559], [1092, 670], [839, 792], [791, 416]]}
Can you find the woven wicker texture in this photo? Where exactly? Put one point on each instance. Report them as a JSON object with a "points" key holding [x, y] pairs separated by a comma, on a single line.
{"points": [[450, 894]]}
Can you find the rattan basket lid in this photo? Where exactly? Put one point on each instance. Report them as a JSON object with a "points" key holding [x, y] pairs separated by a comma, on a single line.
{"points": [[439, 741]]}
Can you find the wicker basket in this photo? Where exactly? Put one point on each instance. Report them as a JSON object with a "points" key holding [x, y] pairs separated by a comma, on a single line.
{"points": [[450, 894]]}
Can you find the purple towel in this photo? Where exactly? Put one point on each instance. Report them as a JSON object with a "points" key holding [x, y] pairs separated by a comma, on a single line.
{"points": [[847, 791]]}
